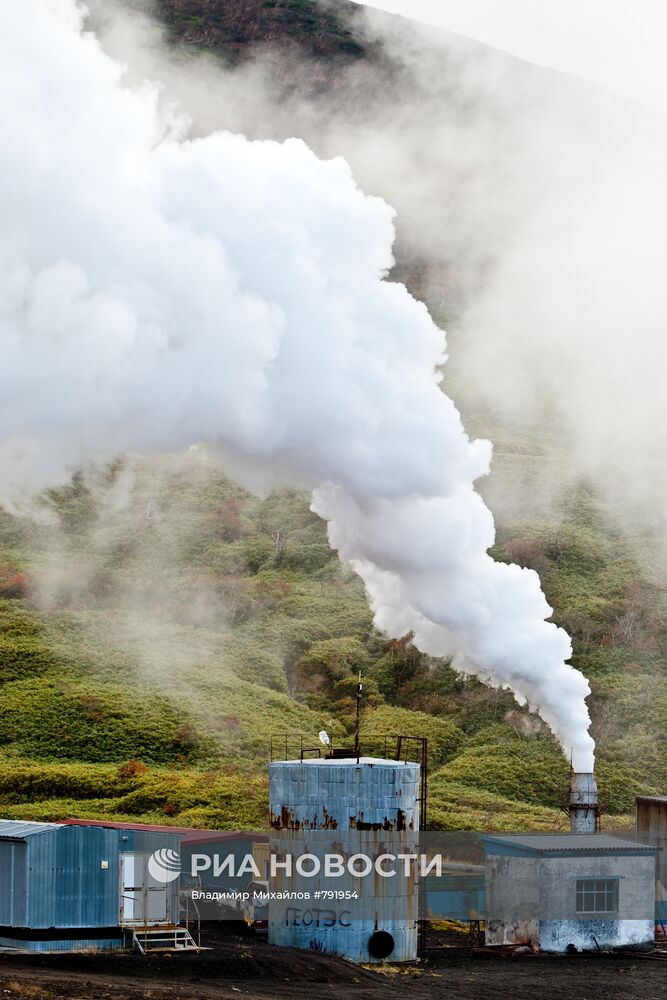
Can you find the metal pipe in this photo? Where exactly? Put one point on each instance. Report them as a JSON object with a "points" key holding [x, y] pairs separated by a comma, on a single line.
{"points": [[583, 806], [356, 725]]}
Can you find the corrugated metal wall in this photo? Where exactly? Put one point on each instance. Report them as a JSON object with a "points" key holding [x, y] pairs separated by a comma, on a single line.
{"points": [[455, 897], [69, 876], [344, 795], [13, 882], [67, 887], [239, 847], [329, 805], [65, 944], [652, 829]]}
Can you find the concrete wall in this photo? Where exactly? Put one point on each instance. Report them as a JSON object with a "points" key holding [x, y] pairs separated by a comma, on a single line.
{"points": [[512, 900], [534, 900], [589, 935], [631, 926], [558, 877]]}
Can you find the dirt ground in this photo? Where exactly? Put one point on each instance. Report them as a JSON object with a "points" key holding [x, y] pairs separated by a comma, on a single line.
{"points": [[238, 965]]}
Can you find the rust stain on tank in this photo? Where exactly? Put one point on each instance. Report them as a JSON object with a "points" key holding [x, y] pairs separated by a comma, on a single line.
{"points": [[359, 823], [329, 823], [286, 820], [399, 824]]}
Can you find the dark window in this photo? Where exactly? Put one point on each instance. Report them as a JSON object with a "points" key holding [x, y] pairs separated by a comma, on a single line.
{"points": [[597, 895]]}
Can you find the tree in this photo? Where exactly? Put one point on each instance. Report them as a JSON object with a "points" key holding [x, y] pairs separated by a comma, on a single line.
{"points": [[328, 662], [231, 525]]}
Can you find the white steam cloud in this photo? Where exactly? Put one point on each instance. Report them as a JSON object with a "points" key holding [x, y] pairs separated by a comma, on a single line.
{"points": [[158, 292]]}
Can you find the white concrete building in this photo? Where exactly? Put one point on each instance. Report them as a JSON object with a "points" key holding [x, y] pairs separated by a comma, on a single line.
{"points": [[588, 891]]}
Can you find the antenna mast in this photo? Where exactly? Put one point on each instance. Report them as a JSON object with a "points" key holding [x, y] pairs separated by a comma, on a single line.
{"points": [[360, 688]]}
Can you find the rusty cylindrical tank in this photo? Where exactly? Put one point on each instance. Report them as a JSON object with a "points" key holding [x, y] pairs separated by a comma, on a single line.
{"points": [[367, 805]]}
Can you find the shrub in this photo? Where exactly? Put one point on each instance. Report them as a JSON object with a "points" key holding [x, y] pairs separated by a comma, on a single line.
{"points": [[231, 525], [444, 737], [131, 769], [14, 584]]}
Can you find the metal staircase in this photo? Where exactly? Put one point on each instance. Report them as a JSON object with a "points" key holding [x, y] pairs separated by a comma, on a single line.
{"points": [[164, 938], [157, 917]]}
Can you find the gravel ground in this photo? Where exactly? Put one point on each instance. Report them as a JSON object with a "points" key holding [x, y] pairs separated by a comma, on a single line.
{"points": [[239, 965]]}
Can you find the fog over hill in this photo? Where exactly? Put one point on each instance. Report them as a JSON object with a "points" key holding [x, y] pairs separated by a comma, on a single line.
{"points": [[158, 623], [531, 216]]}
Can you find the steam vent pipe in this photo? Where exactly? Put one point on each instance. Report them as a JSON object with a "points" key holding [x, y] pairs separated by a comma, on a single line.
{"points": [[583, 808]]}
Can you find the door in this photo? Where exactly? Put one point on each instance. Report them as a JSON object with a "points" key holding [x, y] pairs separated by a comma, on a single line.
{"points": [[143, 900]]}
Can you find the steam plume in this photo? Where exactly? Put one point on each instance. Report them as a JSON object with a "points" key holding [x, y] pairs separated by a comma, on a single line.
{"points": [[157, 292]]}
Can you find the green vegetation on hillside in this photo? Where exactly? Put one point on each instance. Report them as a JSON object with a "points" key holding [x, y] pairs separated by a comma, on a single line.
{"points": [[165, 625], [158, 625]]}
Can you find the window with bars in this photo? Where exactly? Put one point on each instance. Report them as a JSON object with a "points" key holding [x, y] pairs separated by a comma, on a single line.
{"points": [[597, 895]]}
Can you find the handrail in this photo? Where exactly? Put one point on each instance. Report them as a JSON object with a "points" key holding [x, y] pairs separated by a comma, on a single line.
{"points": [[403, 747], [188, 900]]}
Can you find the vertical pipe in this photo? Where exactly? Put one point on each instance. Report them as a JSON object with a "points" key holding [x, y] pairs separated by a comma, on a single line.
{"points": [[583, 808], [356, 727]]}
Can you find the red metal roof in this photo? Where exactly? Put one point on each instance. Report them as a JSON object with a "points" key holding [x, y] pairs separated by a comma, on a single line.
{"points": [[110, 824], [203, 836], [189, 834]]}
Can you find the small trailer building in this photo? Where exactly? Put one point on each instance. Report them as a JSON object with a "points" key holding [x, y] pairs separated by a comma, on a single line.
{"points": [[69, 887], [218, 862], [202, 850], [564, 891]]}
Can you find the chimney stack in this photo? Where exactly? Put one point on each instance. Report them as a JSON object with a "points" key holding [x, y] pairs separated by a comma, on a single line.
{"points": [[583, 807]]}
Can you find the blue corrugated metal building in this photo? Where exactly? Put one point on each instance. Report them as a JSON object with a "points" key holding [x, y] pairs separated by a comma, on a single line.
{"points": [[67, 886], [459, 893], [217, 844]]}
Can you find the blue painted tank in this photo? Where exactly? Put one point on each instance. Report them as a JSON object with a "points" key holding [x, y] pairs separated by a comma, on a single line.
{"points": [[366, 805]]}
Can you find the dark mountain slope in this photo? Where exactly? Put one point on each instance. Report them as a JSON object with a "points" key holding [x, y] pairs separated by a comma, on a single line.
{"points": [[234, 28]]}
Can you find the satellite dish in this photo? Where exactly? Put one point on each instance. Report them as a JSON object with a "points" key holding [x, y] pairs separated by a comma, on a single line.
{"points": [[324, 738]]}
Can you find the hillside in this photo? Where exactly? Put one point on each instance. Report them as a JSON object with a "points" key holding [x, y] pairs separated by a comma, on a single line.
{"points": [[166, 625], [233, 30], [158, 625]]}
